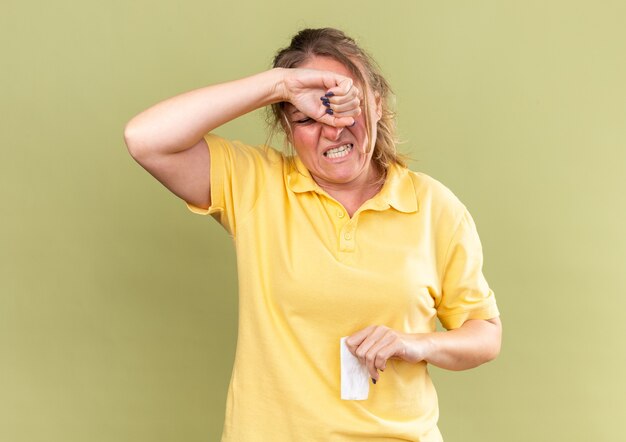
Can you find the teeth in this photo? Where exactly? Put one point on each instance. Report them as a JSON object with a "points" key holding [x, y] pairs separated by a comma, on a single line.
{"points": [[338, 152]]}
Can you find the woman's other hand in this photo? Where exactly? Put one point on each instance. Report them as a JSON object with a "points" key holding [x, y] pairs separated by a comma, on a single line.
{"points": [[376, 344], [325, 96]]}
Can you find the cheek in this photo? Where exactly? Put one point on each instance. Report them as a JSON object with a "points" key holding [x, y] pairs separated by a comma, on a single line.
{"points": [[305, 138]]}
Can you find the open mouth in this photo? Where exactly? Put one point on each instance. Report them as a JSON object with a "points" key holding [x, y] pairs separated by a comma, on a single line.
{"points": [[339, 151]]}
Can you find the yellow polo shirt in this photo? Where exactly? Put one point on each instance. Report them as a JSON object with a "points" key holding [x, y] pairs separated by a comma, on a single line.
{"points": [[310, 274]]}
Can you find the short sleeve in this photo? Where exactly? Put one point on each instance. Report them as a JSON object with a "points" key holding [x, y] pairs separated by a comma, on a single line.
{"points": [[237, 174], [465, 293]]}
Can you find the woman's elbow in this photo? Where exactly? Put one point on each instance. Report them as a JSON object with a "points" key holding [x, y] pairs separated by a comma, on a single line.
{"points": [[495, 339], [132, 140]]}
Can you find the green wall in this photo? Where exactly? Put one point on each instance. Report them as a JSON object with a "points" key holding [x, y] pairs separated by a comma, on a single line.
{"points": [[118, 306]]}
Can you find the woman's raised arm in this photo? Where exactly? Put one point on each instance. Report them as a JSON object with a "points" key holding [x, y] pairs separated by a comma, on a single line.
{"points": [[167, 139]]}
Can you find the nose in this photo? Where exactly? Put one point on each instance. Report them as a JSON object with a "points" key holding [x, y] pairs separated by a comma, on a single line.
{"points": [[331, 132]]}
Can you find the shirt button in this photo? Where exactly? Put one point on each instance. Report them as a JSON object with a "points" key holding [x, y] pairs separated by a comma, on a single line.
{"points": [[347, 236], [340, 213]]}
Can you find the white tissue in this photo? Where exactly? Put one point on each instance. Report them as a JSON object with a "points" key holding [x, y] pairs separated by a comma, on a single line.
{"points": [[355, 385]]}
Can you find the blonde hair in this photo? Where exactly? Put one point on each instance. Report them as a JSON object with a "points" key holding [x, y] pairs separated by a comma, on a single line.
{"points": [[333, 43]]}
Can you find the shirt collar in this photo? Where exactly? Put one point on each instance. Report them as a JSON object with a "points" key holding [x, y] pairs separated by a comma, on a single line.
{"points": [[299, 178], [398, 191]]}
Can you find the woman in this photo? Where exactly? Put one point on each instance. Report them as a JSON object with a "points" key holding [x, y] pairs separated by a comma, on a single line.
{"points": [[339, 240]]}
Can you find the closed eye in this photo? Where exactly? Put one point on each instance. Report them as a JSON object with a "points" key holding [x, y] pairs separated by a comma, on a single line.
{"points": [[303, 120]]}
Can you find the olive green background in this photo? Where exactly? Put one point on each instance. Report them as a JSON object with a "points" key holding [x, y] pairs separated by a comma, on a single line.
{"points": [[118, 307]]}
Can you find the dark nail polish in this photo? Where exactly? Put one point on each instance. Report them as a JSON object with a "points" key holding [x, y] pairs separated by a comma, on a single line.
{"points": [[329, 111], [326, 103], [329, 94], [325, 99], [374, 381]]}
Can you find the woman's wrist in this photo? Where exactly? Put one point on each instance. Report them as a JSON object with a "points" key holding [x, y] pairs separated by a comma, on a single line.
{"points": [[421, 347], [278, 92]]}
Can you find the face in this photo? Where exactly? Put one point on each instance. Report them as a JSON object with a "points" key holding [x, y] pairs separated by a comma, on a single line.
{"points": [[322, 148]]}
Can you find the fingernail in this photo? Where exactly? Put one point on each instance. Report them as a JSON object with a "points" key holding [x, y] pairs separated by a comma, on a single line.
{"points": [[353, 124], [325, 99], [374, 381], [329, 111], [326, 103], [329, 94]]}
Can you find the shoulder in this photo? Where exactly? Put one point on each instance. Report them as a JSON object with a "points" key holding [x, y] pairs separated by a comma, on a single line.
{"points": [[237, 151]]}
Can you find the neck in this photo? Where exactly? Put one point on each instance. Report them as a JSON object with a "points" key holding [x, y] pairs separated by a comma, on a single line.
{"points": [[352, 195]]}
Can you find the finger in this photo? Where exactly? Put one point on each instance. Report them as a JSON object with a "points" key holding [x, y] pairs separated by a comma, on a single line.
{"points": [[365, 346], [384, 354], [333, 81], [348, 106], [335, 121], [355, 339], [335, 96], [342, 88], [351, 113], [377, 355], [344, 121]]}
